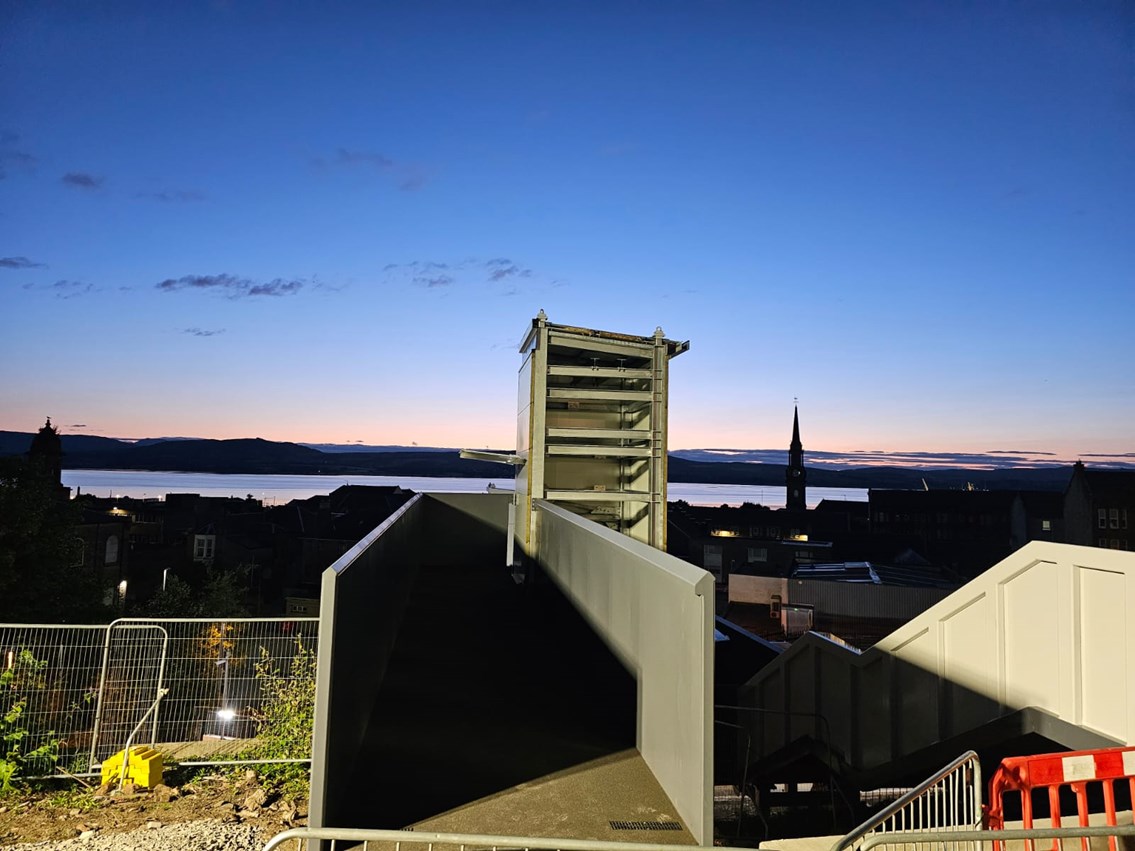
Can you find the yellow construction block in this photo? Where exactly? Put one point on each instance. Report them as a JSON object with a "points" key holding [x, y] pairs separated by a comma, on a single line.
{"points": [[143, 768]]}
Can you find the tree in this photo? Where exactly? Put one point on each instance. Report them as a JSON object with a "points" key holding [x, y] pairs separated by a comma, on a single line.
{"points": [[42, 577], [221, 595]]}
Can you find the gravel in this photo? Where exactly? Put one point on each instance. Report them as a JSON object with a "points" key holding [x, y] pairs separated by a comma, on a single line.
{"points": [[202, 835]]}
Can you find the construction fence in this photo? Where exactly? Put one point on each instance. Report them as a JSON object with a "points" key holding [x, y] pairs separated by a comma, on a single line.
{"points": [[73, 695]]}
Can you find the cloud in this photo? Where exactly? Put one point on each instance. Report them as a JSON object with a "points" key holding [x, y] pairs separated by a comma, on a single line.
{"points": [[172, 196], [503, 273], [203, 332], [64, 288], [344, 156], [82, 180], [501, 268], [408, 177], [10, 157], [20, 263], [77, 425], [438, 281], [231, 285]]}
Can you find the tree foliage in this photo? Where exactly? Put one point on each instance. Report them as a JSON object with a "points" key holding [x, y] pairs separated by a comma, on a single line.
{"points": [[42, 578], [220, 595]]}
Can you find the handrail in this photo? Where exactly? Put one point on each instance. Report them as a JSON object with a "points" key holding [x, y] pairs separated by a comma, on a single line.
{"points": [[954, 837], [464, 840], [895, 807]]}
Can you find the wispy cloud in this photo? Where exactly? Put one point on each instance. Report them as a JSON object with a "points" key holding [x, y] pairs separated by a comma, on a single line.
{"points": [[203, 332], [20, 263], [343, 156], [501, 267], [232, 286], [505, 277], [406, 176], [77, 425], [64, 288], [10, 157], [172, 196], [82, 180]]}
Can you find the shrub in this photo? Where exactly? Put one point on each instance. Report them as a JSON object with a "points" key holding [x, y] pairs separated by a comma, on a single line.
{"points": [[23, 675], [285, 719]]}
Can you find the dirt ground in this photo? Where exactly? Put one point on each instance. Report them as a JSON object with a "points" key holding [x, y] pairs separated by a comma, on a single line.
{"points": [[65, 810]]}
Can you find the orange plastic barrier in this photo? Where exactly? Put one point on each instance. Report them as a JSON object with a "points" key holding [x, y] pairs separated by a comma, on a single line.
{"points": [[1075, 770]]}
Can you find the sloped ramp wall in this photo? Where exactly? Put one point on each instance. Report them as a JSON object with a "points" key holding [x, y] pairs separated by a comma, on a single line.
{"points": [[655, 612], [363, 596], [1051, 627]]}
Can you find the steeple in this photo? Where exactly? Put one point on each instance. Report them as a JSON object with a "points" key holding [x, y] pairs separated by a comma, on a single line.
{"points": [[795, 476]]}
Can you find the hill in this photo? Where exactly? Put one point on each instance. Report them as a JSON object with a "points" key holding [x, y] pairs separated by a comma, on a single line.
{"points": [[265, 457]]}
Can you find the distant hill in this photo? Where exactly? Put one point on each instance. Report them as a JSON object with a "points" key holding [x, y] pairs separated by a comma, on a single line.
{"points": [[744, 473], [364, 447], [265, 457], [18, 442]]}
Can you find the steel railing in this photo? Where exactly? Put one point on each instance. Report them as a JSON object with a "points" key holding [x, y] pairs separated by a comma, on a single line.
{"points": [[402, 840], [985, 839], [948, 800]]}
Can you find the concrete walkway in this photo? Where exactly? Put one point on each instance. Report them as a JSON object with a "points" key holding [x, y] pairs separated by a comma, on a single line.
{"points": [[577, 803]]}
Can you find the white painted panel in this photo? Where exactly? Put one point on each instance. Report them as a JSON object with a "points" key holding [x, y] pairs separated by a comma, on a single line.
{"points": [[1047, 627], [970, 646], [1105, 651], [969, 664], [1030, 630], [655, 612]]}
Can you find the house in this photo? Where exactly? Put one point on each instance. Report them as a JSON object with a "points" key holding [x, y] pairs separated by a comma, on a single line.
{"points": [[1099, 506]]}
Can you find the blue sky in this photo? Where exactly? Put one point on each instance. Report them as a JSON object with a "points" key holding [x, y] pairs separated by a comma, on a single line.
{"points": [[333, 222]]}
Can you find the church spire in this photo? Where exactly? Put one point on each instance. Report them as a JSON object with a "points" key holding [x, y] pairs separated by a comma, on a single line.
{"points": [[795, 475]]}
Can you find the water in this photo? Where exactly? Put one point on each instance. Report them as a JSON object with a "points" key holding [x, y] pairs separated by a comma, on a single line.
{"points": [[277, 490]]}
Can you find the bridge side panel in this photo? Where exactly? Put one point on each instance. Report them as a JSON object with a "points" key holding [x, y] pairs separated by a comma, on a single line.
{"points": [[655, 612], [364, 595]]}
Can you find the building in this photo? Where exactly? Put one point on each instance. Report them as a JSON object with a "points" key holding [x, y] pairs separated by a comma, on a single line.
{"points": [[1099, 506], [965, 531], [795, 476]]}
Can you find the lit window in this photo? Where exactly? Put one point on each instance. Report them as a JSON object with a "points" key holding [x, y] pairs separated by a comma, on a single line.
{"points": [[112, 549], [204, 547], [1046, 525]]}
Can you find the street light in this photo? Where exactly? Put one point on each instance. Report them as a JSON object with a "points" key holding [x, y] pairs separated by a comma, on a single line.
{"points": [[225, 713]]}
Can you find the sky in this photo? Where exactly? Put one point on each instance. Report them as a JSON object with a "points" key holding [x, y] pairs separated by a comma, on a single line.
{"points": [[334, 222]]}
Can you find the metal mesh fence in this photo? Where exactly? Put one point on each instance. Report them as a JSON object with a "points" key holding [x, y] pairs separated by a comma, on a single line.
{"points": [[86, 688], [49, 677]]}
